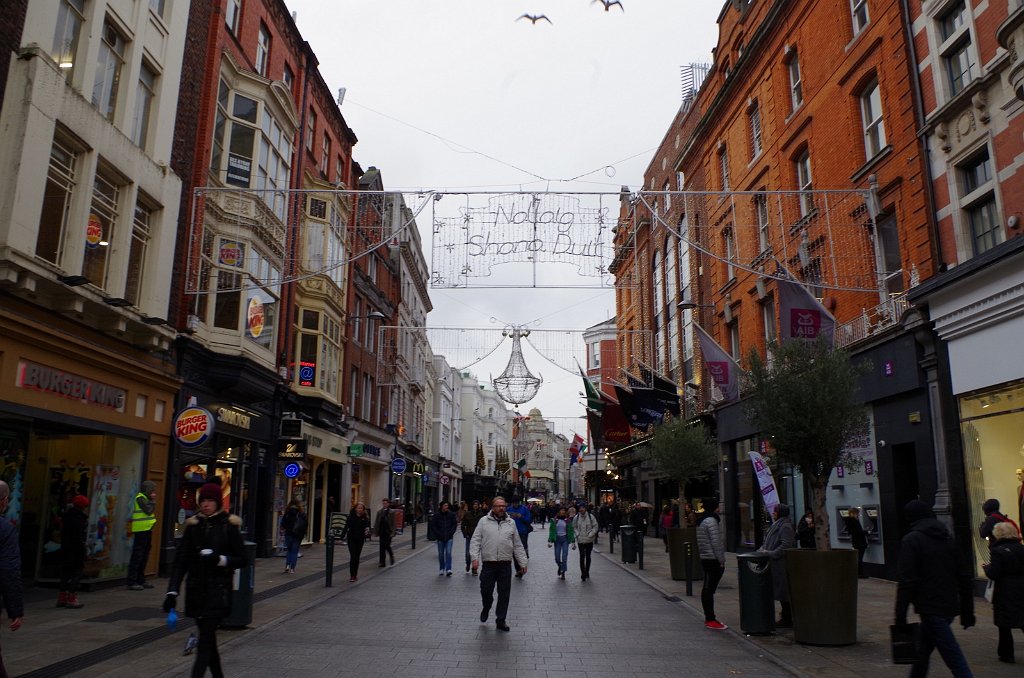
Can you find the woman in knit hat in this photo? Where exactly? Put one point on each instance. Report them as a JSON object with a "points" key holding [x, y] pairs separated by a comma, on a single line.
{"points": [[210, 551], [1007, 571]]}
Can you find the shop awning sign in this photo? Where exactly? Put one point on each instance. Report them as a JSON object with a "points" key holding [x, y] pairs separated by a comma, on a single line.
{"points": [[289, 450], [193, 426], [67, 385]]}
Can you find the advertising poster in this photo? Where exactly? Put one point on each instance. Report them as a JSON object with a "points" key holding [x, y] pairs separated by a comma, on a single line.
{"points": [[765, 480]]}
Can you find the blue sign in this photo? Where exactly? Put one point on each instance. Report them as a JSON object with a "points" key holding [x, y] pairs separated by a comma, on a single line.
{"points": [[292, 470], [398, 465]]}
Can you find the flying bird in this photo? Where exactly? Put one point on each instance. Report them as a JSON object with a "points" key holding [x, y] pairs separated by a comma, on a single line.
{"points": [[534, 19], [608, 4]]}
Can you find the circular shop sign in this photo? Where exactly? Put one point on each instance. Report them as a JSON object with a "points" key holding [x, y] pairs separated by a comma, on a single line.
{"points": [[445, 480], [292, 470], [398, 465], [193, 426]]}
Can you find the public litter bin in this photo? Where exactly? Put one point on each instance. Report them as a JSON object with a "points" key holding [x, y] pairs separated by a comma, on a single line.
{"points": [[629, 539], [241, 599], [757, 600], [679, 540]]}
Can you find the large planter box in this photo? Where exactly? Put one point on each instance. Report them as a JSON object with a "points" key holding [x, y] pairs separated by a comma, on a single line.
{"points": [[823, 593]]}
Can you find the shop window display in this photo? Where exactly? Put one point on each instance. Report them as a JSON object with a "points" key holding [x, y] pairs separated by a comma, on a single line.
{"points": [[106, 469], [991, 426]]}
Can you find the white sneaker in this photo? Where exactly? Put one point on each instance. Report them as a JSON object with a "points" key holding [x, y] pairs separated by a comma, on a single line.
{"points": [[440, 573]]}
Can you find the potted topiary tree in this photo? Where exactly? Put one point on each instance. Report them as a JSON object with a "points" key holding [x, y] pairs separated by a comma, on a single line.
{"points": [[683, 451], [805, 400]]}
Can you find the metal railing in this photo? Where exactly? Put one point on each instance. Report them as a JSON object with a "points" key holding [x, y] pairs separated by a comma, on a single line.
{"points": [[872, 321]]}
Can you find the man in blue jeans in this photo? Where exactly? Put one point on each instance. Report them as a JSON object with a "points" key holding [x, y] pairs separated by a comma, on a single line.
{"points": [[933, 575], [524, 523]]}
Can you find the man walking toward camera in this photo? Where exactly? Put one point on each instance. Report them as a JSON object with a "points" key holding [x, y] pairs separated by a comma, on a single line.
{"points": [[384, 527], [935, 578], [495, 546], [585, 527]]}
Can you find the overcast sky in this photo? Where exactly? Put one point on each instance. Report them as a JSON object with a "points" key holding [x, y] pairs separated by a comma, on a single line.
{"points": [[463, 95]]}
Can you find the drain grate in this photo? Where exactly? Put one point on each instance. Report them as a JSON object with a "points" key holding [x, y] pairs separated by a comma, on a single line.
{"points": [[128, 613]]}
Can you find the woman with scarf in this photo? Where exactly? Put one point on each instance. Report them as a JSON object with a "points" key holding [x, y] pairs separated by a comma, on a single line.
{"points": [[781, 536], [210, 552]]}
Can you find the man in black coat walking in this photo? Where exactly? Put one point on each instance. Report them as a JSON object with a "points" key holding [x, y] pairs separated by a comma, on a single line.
{"points": [[10, 568], [933, 575]]}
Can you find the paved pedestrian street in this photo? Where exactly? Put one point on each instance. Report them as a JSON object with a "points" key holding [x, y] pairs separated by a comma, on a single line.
{"points": [[410, 622]]}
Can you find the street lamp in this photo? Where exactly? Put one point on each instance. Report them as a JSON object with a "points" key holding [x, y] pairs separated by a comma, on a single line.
{"points": [[690, 304]]}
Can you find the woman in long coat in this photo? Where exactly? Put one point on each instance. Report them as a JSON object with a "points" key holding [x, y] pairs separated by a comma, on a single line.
{"points": [[781, 536], [210, 551], [1007, 571], [356, 531]]}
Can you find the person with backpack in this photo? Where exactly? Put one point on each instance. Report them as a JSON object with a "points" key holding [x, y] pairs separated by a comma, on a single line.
{"points": [[992, 518], [294, 523]]}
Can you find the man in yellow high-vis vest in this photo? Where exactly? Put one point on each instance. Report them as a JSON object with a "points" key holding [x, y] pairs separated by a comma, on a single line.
{"points": [[143, 520]]}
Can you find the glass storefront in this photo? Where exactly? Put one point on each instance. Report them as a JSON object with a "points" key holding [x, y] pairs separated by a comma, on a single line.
{"points": [[46, 465], [991, 425], [753, 519]]}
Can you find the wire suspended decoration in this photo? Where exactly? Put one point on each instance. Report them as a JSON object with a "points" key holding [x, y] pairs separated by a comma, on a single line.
{"points": [[516, 384]]}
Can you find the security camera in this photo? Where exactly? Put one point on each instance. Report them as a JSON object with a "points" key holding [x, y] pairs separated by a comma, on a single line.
{"points": [[881, 443]]}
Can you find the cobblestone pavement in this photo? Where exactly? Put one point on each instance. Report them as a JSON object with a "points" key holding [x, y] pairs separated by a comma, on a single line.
{"points": [[411, 622]]}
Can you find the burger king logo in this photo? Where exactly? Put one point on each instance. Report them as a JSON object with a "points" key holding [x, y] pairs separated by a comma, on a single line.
{"points": [[193, 426], [256, 318], [93, 231], [230, 253]]}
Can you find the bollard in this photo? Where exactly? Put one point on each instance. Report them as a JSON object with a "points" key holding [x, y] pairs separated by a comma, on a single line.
{"points": [[689, 568], [329, 553], [640, 550]]}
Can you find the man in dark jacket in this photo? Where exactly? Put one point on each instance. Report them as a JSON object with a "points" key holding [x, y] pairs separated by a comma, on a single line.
{"points": [[469, 521], [10, 568], [384, 528], [933, 576], [992, 518], [521, 515], [858, 537], [444, 524], [74, 524]]}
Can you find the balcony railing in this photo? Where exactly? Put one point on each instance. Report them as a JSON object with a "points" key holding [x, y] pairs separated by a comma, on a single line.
{"points": [[872, 321]]}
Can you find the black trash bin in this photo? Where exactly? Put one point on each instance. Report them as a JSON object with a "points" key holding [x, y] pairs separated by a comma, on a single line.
{"points": [[628, 536], [757, 595], [241, 599]]}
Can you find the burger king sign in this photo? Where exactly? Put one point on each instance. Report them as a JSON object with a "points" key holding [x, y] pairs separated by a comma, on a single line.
{"points": [[193, 426], [256, 318]]}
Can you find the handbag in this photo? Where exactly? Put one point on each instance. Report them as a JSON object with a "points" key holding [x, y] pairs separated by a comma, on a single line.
{"points": [[990, 590], [905, 641]]}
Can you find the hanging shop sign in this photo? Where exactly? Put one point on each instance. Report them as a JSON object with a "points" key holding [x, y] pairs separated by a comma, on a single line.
{"points": [[289, 450], [193, 426], [38, 377], [292, 470], [307, 373]]}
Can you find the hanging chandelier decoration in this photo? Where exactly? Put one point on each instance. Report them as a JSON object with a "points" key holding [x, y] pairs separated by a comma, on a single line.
{"points": [[516, 384]]}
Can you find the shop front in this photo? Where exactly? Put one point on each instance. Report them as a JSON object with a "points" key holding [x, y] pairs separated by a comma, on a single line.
{"points": [[317, 475], [79, 415], [978, 313], [225, 443]]}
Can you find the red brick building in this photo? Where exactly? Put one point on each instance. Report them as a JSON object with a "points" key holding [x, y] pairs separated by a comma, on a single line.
{"points": [[798, 155], [260, 298]]}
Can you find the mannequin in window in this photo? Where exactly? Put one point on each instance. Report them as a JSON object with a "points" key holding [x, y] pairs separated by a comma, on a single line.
{"points": [[1020, 496]]}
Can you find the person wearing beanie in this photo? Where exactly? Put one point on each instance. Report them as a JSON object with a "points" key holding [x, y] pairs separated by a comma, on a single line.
{"points": [[1007, 572], [780, 536], [74, 524], [992, 518], [712, 558], [211, 549], [933, 574], [142, 521]]}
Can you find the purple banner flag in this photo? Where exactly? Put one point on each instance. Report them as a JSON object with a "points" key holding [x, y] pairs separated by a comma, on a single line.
{"points": [[722, 368], [800, 314]]}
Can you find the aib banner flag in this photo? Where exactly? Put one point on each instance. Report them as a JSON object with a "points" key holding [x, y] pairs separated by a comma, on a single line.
{"points": [[765, 481], [800, 314], [722, 368]]}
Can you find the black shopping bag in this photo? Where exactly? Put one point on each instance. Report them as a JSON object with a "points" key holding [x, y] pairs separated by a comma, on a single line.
{"points": [[906, 643]]}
